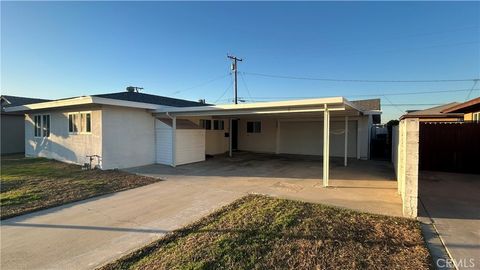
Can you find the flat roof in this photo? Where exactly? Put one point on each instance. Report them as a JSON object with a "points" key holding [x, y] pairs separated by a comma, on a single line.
{"points": [[271, 107]]}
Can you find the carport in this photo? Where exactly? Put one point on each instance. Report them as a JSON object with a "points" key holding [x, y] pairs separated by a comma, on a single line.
{"points": [[284, 127]]}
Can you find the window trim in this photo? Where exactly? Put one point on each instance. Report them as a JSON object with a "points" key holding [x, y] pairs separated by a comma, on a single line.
{"points": [[204, 126], [477, 116], [78, 119], [219, 126], [41, 128], [253, 127]]}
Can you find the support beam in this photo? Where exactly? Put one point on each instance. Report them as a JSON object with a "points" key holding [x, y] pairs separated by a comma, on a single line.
{"points": [[230, 135], [174, 141], [326, 146], [345, 159]]}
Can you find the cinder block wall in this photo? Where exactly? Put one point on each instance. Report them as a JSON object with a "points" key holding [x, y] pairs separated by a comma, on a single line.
{"points": [[405, 142]]}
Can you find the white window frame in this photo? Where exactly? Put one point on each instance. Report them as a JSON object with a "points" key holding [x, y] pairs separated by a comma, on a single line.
{"points": [[203, 124], [220, 124], [81, 128], [253, 131], [41, 133], [476, 117]]}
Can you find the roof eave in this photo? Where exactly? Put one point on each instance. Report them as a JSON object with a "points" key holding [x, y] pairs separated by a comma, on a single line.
{"points": [[84, 100]]}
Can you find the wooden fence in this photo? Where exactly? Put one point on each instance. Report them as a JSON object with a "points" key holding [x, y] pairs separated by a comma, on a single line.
{"points": [[451, 147]]}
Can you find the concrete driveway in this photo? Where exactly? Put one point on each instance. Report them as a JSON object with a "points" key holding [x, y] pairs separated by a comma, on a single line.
{"points": [[452, 201], [91, 233]]}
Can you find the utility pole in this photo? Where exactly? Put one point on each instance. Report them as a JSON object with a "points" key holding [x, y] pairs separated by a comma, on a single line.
{"points": [[234, 68]]}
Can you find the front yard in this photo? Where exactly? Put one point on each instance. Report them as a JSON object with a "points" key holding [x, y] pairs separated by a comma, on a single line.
{"points": [[260, 232], [30, 184]]}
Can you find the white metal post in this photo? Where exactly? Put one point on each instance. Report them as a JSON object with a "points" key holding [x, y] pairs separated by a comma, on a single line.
{"points": [[277, 142], [346, 142], [174, 141], [230, 134], [326, 146]]}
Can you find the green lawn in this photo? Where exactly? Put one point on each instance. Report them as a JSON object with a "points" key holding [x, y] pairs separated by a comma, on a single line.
{"points": [[259, 232], [30, 184]]}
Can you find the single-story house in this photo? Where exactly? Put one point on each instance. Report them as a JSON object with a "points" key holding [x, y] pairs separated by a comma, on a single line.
{"points": [[128, 129], [470, 110], [435, 114], [13, 124]]}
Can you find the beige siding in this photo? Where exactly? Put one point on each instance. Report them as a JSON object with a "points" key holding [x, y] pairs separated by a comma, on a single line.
{"points": [[61, 145], [128, 137], [163, 141], [190, 146], [13, 133], [258, 142]]}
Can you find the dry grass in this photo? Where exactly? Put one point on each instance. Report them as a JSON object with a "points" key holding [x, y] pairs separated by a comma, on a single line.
{"points": [[259, 232], [31, 184]]}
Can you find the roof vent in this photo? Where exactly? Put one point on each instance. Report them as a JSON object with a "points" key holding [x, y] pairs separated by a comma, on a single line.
{"points": [[133, 89]]}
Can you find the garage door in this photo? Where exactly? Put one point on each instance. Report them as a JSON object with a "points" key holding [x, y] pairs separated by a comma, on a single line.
{"points": [[306, 138]]}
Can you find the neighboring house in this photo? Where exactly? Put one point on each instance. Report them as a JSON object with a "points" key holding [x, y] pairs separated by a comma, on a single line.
{"points": [[130, 129], [13, 124], [469, 109], [435, 114]]}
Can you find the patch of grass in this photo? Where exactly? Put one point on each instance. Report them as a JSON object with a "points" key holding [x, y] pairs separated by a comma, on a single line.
{"points": [[260, 232], [31, 184]]}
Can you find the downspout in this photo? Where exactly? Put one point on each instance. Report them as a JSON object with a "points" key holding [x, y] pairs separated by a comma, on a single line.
{"points": [[174, 141]]}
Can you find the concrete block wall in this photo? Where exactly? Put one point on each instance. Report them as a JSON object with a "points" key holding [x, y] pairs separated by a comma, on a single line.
{"points": [[405, 157]]}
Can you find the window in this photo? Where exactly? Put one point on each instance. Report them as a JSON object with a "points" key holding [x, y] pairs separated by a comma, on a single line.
{"points": [[38, 125], [218, 125], [476, 117], [46, 125], [79, 122], [254, 127], [206, 124], [42, 125]]}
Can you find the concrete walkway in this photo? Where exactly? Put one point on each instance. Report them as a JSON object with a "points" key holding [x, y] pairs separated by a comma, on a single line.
{"points": [[452, 201], [91, 233]]}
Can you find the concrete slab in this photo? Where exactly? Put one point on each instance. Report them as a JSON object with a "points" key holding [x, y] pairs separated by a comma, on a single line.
{"points": [[364, 185], [451, 201], [88, 234]]}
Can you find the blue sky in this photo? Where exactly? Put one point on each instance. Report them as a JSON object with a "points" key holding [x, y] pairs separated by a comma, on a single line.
{"points": [[62, 49]]}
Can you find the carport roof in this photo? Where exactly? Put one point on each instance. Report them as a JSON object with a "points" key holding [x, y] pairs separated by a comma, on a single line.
{"points": [[273, 107]]}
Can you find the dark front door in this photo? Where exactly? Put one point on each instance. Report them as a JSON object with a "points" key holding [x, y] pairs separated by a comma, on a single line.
{"points": [[234, 134]]}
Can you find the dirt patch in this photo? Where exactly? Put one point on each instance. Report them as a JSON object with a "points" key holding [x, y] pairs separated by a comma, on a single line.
{"points": [[260, 232]]}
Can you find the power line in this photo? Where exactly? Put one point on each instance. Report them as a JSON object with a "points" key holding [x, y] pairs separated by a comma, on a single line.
{"points": [[378, 94], [390, 104], [201, 84], [354, 80], [224, 92], [471, 90], [245, 84]]}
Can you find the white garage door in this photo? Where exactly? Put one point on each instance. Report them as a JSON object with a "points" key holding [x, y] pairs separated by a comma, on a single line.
{"points": [[306, 138]]}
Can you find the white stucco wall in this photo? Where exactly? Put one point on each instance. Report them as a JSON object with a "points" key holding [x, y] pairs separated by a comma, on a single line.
{"points": [[13, 132], [363, 136], [264, 142], [215, 140], [405, 158], [61, 145], [128, 137], [306, 138]]}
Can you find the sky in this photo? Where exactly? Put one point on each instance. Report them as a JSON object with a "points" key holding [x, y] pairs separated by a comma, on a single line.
{"points": [[63, 49]]}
